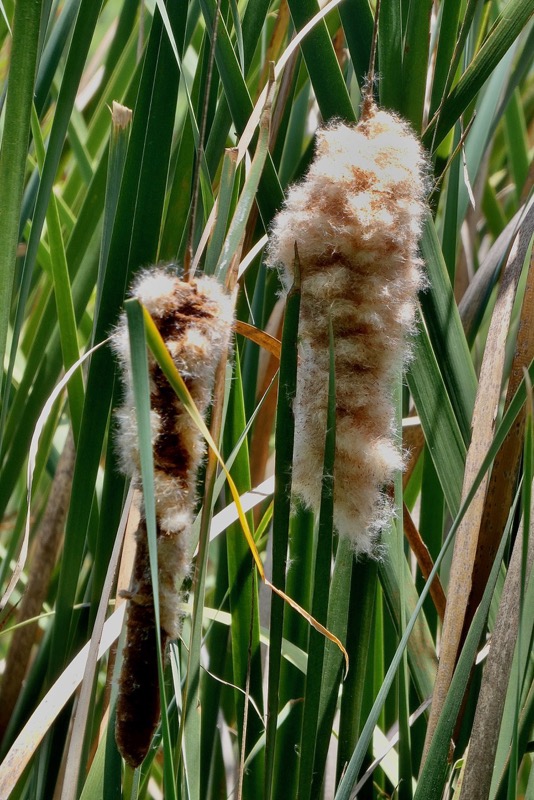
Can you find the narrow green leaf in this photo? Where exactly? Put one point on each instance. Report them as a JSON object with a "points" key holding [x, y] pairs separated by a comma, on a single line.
{"points": [[390, 54], [236, 231], [431, 524], [224, 205], [141, 391], [449, 232], [114, 484], [416, 52], [322, 64], [284, 442], [53, 51], [321, 593], [16, 132], [243, 585], [363, 590], [212, 691], [446, 333], [516, 135], [6, 20], [442, 433], [120, 132], [394, 573], [252, 26], [77, 136], [508, 27], [469, 12], [477, 141], [238, 98], [333, 663], [357, 19], [63, 295], [403, 684], [447, 31], [299, 586]]}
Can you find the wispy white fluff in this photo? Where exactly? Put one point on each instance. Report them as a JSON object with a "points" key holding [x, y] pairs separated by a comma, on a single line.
{"points": [[356, 219]]}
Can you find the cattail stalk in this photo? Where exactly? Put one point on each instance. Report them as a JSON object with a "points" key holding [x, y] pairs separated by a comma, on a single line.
{"points": [[194, 319], [356, 220]]}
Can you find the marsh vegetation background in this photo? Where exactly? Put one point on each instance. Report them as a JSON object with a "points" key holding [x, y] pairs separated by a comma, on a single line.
{"points": [[256, 701]]}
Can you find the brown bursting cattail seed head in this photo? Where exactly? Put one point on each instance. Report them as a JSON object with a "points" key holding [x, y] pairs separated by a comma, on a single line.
{"points": [[194, 319], [356, 220]]}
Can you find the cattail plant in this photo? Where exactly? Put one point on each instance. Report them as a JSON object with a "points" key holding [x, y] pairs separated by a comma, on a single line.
{"points": [[355, 219], [194, 319]]}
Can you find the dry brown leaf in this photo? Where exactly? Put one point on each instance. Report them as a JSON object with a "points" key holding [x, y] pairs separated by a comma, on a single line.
{"points": [[424, 559], [483, 429], [258, 336]]}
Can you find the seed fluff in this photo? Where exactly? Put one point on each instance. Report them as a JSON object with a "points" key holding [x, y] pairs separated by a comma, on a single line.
{"points": [[356, 220]]}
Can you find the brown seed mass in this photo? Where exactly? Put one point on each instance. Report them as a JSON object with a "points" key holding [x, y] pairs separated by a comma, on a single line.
{"points": [[194, 319]]}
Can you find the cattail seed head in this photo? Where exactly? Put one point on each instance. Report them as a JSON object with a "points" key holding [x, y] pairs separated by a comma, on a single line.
{"points": [[194, 319], [356, 220]]}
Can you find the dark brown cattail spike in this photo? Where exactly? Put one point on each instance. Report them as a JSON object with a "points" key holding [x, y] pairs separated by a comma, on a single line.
{"points": [[134, 731], [194, 319]]}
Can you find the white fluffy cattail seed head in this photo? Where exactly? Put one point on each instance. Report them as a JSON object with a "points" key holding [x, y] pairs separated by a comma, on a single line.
{"points": [[356, 220]]}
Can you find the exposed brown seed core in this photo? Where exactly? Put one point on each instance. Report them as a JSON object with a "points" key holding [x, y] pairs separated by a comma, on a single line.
{"points": [[138, 706]]}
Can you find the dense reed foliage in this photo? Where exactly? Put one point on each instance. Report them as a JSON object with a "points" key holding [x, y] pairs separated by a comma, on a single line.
{"points": [[135, 134]]}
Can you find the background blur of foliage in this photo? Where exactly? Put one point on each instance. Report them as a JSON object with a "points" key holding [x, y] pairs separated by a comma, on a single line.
{"points": [[256, 704]]}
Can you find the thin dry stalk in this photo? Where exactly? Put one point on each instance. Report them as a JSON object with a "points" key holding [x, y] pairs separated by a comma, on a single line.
{"points": [[490, 705], [507, 462], [467, 537], [46, 547]]}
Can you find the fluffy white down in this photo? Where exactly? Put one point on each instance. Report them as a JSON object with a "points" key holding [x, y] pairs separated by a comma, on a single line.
{"points": [[356, 219]]}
